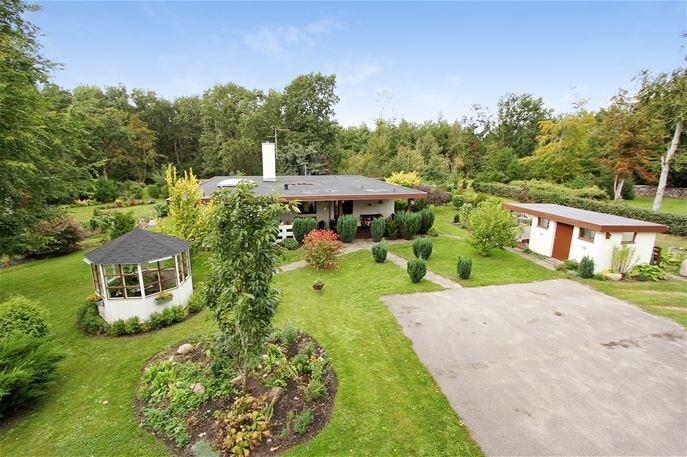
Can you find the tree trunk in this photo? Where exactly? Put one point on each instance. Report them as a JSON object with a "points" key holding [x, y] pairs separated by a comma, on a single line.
{"points": [[665, 166], [618, 188]]}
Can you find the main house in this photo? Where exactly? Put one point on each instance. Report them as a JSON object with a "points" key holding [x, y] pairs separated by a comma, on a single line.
{"points": [[322, 197], [566, 233]]}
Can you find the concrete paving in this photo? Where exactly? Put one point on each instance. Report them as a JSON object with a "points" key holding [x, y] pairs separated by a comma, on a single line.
{"points": [[553, 368]]}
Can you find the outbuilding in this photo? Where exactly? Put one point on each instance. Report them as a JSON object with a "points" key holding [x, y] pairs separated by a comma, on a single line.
{"points": [[566, 233], [140, 273]]}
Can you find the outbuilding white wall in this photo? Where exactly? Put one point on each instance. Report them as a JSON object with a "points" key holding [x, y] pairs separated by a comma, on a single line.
{"points": [[541, 239], [601, 250], [114, 309]]}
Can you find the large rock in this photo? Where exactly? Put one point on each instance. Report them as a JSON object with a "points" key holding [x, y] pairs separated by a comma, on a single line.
{"points": [[237, 380], [198, 388], [613, 276], [274, 394], [683, 268], [185, 349]]}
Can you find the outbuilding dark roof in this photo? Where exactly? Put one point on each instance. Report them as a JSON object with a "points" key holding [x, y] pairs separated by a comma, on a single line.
{"points": [[592, 220], [320, 187], [137, 246]]}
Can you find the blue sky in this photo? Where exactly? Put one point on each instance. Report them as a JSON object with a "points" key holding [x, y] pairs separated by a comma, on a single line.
{"points": [[410, 60]]}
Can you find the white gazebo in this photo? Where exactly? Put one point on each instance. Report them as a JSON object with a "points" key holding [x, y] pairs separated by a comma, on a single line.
{"points": [[131, 273]]}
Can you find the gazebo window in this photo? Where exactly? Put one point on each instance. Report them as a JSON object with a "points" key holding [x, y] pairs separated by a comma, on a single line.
{"points": [[151, 278], [158, 276], [122, 281], [97, 284], [168, 274]]}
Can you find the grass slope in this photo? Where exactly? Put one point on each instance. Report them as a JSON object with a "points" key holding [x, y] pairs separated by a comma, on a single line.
{"points": [[668, 205], [502, 267], [387, 404], [84, 213], [443, 221]]}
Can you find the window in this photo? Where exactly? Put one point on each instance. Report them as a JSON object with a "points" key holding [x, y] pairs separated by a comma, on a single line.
{"points": [[97, 284], [307, 207], [628, 237], [159, 276], [587, 235], [168, 274], [122, 281], [543, 223]]}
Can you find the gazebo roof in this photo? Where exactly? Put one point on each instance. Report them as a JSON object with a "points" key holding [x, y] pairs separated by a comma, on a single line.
{"points": [[137, 246]]}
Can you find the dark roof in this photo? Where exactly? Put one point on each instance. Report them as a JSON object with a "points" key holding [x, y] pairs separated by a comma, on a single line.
{"points": [[592, 220], [137, 246], [321, 187]]}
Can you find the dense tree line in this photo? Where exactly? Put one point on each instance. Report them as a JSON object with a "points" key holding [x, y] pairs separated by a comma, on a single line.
{"points": [[55, 144]]}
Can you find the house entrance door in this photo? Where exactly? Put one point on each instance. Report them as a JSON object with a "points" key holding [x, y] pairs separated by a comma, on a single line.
{"points": [[561, 241]]}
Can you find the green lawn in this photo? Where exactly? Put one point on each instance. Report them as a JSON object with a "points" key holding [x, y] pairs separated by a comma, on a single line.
{"points": [[83, 213], [665, 298], [502, 267], [387, 403], [668, 205], [443, 221]]}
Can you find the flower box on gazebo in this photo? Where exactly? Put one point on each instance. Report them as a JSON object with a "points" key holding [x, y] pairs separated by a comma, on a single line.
{"points": [[132, 271]]}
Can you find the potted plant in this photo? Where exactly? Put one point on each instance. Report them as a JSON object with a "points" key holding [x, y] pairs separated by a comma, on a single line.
{"points": [[95, 298], [318, 285], [163, 297]]}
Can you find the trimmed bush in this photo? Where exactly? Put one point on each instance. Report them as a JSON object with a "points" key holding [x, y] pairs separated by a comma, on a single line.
{"points": [[195, 303], [122, 223], [427, 220], [291, 244], [89, 320], [677, 223], [106, 190], [118, 328], [377, 229], [379, 252], [321, 248], [464, 214], [456, 218], [27, 365], [464, 267], [347, 227], [409, 224], [391, 228], [161, 209], [302, 226], [132, 325], [418, 205], [153, 191], [586, 268], [422, 248], [24, 316], [416, 270], [492, 227]]}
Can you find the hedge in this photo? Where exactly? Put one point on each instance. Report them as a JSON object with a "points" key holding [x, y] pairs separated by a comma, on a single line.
{"points": [[677, 224]]}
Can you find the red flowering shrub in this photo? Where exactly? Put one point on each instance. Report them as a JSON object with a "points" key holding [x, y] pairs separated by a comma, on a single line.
{"points": [[321, 248]]}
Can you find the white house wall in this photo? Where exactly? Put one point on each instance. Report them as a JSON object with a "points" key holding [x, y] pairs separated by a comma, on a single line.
{"points": [[601, 250], [541, 239], [125, 308], [325, 210]]}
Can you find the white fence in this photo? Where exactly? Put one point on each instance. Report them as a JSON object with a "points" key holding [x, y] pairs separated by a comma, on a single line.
{"points": [[285, 231]]}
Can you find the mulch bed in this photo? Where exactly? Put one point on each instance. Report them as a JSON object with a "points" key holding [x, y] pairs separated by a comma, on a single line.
{"points": [[201, 424]]}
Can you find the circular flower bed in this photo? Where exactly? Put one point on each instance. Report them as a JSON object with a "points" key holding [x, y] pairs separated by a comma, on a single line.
{"points": [[191, 397]]}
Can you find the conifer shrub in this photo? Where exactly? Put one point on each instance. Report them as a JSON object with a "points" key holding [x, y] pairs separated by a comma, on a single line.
{"points": [[379, 252], [464, 267], [422, 248], [377, 229], [416, 270]]}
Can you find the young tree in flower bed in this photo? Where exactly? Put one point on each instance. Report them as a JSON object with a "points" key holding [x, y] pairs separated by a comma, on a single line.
{"points": [[321, 248]]}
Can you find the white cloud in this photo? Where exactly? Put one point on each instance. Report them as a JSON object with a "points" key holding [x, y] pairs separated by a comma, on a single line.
{"points": [[357, 71], [276, 41]]}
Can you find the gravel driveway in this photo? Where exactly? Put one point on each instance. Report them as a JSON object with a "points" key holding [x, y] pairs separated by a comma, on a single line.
{"points": [[553, 368]]}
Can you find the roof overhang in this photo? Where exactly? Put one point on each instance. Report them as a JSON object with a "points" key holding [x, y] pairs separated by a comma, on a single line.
{"points": [[357, 197], [655, 228]]}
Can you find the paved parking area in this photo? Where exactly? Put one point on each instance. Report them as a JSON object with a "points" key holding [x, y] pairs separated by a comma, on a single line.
{"points": [[553, 368]]}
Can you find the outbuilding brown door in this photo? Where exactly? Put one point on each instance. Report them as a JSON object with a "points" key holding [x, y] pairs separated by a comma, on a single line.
{"points": [[561, 241]]}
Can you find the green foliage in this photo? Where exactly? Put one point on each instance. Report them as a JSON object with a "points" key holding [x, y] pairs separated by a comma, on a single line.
{"points": [[242, 427], [276, 366], [492, 227], [106, 190], [58, 236], [302, 226], [427, 220], [135, 190], [118, 328], [379, 252], [122, 223], [89, 320], [623, 259], [27, 366], [161, 209], [456, 218], [677, 224], [464, 267], [188, 213], [160, 420], [23, 316], [418, 205], [377, 229], [132, 325], [586, 268], [195, 303], [392, 229], [288, 334], [592, 192], [347, 227], [416, 269], [301, 363], [239, 291], [422, 248], [153, 191], [405, 179], [314, 391], [303, 421], [464, 214], [570, 264], [291, 244], [648, 272], [409, 224]]}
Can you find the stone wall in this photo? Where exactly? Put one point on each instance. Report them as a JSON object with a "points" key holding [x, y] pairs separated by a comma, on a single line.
{"points": [[650, 191]]}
